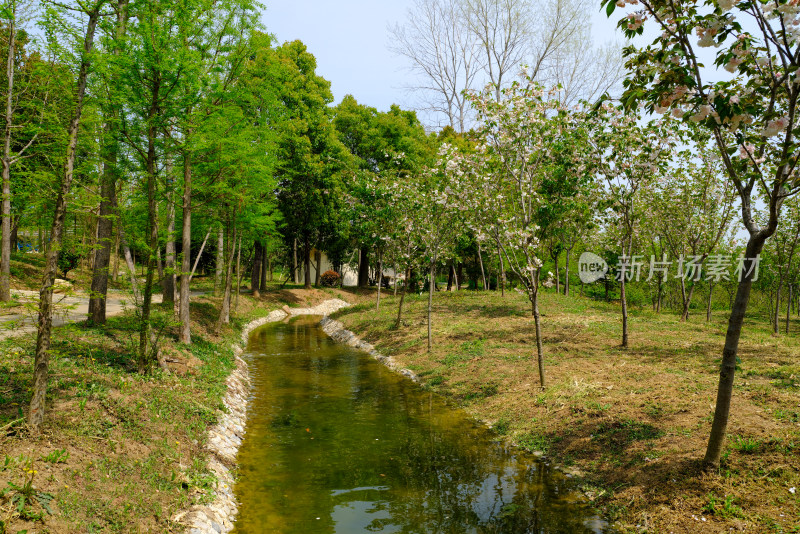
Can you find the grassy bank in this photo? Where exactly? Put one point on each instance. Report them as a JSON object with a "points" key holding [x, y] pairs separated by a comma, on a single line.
{"points": [[632, 424], [120, 452]]}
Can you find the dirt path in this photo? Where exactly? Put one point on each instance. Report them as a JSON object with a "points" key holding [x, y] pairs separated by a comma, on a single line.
{"points": [[72, 308]]}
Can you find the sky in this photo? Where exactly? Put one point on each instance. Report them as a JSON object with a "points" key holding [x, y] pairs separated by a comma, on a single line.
{"points": [[350, 40]]}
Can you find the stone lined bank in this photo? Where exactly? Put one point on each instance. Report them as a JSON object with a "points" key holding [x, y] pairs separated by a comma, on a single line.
{"points": [[338, 332], [226, 436]]}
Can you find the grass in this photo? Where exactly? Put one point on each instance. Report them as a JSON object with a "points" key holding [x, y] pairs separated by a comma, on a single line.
{"points": [[634, 422], [120, 451]]}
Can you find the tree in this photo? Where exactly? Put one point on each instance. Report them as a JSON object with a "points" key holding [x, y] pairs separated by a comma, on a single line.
{"points": [[45, 321], [309, 153], [446, 57], [441, 211], [783, 247], [628, 156], [110, 176], [694, 231], [461, 45], [387, 147], [752, 116], [520, 133], [503, 29]]}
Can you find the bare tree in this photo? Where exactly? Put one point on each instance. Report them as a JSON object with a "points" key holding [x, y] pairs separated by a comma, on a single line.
{"points": [[585, 71], [503, 29], [446, 57], [461, 45]]}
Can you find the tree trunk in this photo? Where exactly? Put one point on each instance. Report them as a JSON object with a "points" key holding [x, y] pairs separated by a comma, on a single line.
{"points": [[788, 307], [683, 299], [728, 367], [624, 301], [255, 275], [501, 276], [220, 261], [137, 296], [483, 273], [105, 229], [431, 289], [402, 298], [775, 319], [537, 324], [225, 312], [169, 275], [307, 263], [238, 276], [687, 304], [451, 271], [558, 278], [380, 279], [659, 293], [318, 261], [145, 351], [5, 226], [45, 321], [294, 262], [363, 267], [115, 268], [459, 276], [266, 267], [566, 276], [185, 334], [199, 255], [708, 304]]}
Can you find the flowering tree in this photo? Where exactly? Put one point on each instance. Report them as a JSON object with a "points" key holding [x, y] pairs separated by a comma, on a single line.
{"points": [[628, 156], [440, 214], [692, 232], [751, 113], [520, 131], [405, 243], [782, 248]]}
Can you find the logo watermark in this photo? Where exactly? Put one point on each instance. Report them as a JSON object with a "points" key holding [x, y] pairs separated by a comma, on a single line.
{"points": [[591, 267], [714, 268]]}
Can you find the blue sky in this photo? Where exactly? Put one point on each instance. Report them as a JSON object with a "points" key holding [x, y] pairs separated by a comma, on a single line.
{"points": [[350, 40]]}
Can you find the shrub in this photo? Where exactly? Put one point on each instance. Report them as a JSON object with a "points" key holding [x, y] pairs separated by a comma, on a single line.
{"points": [[331, 279], [68, 259]]}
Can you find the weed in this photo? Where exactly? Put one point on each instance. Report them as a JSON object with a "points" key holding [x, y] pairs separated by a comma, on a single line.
{"points": [[536, 442], [501, 426], [58, 456], [723, 508], [436, 380], [25, 497], [746, 445]]}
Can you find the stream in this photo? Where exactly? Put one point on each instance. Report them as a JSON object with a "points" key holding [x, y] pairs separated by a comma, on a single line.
{"points": [[337, 443]]}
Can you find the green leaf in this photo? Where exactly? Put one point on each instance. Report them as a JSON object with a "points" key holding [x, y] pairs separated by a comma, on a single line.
{"points": [[610, 7]]}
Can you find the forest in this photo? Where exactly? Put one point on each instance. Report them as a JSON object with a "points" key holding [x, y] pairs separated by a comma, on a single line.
{"points": [[168, 150]]}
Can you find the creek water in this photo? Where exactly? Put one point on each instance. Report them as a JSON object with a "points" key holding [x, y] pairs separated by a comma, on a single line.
{"points": [[337, 443]]}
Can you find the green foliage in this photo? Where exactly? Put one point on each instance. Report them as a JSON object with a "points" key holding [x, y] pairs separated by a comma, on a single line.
{"points": [[68, 259]]}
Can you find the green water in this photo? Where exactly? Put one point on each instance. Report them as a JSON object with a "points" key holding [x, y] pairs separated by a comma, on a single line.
{"points": [[337, 443]]}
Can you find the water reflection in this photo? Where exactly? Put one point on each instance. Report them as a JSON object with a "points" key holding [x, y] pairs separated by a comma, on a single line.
{"points": [[336, 443]]}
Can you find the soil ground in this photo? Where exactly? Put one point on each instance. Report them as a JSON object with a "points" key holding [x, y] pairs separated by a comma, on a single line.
{"points": [[632, 424]]}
